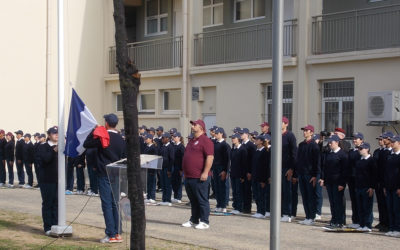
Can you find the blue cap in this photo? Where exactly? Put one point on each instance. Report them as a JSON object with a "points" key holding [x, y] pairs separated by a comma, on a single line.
{"points": [[358, 135], [254, 133], [28, 135], [36, 134], [42, 136], [160, 128], [244, 131], [364, 145], [213, 128], [151, 129], [237, 129], [148, 136], [219, 130], [237, 136], [177, 134], [267, 137], [19, 132], [261, 137], [52, 130], [173, 130], [111, 119], [316, 137], [143, 127], [395, 138], [166, 135], [334, 138], [387, 134]]}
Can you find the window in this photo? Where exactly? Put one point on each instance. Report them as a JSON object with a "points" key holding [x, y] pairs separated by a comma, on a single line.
{"points": [[156, 22], [212, 12], [118, 98], [287, 102], [147, 102], [171, 100], [249, 9], [338, 106]]}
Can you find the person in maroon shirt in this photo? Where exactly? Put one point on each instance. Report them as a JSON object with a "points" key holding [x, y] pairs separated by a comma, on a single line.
{"points": [[196, 165]]}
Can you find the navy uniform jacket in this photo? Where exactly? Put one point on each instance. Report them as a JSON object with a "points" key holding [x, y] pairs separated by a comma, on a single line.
{"points": [[19, 155], [28, 153], [114, 152], [238, 162], [142, 144], [365, 173], [159, 143], [251, 148], [383, 154], [35, 151], [179, 152], [334, 168], [289, 151], [221, 155], [260, 165], [48, 161], [150, 150], [3, 143], [168, 155], [354, 156], [9, 151], [392, 172], [308, 159]]}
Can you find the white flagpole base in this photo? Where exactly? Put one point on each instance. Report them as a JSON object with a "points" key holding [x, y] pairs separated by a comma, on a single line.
{"points": [[60, 231]]}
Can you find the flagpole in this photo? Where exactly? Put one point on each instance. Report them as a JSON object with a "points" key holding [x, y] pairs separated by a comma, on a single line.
{"points": [[61, 228]]}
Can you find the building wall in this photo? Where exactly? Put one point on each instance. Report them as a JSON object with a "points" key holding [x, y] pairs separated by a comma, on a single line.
{"points": [[331, 6]]}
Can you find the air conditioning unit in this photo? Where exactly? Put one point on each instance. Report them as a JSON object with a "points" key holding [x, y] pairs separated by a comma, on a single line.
{"points": [[384, 106]]}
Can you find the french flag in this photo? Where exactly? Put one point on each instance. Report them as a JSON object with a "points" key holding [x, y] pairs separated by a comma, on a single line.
{"points": [[80, 123]]}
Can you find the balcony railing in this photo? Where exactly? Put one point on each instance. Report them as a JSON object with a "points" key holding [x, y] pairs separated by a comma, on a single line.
{"points": [[248, 43], [152, 55], [363, 29]]}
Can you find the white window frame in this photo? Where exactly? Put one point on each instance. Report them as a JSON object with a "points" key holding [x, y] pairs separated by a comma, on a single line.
{"points": [[116, 102], [169, 111], [140, 108], [251, 12], [339, 99], [213, 5], [158, 17], [269, 101]]}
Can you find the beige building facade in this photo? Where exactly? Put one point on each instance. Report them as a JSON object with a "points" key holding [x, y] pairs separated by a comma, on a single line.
{"points": [[207, 59]]}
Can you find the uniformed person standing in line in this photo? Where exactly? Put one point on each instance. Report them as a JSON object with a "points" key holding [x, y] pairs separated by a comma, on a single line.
{"points": [[212, 182], [36, 145], [19, 157], [3, 143], [247, 186], [9, 155], [28, 157], [168, 155]]}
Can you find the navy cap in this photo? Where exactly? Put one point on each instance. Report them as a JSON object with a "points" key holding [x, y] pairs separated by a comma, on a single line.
{"points": [[173, 130], [358, 135], [364, 145], [166, 135], [177, 134], [387, 134], [160, 128], [260, 137], [237, 129], [111, 119], [19, 132], [213, 128], [36, 134], [395, 138], [316, 137], [143, 127], [42, 136], [380, 137], [254, 133], [28, 135], [219, 130], [148, 136], [53, 130], [151, 129], [244, 131], [237, 136], [334, 138]]}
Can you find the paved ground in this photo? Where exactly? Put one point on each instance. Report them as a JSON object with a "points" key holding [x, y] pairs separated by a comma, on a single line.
{"points": [[226, 232]]}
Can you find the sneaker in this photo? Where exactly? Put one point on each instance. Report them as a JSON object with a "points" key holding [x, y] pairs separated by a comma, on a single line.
{"points": [[68, 192], [27, 186], [218, 210], [329, 227], [360, 229], [118, 238], [80, 192], [318, 217], [354, 226], [48, 233], [10, 186], [106, 239], [189, 224], [267, 214], [165, 203], [176, 201], [151, 201], [303, 221], [236, 212], [223, 210], [202, 226], [309, 222], [258, 216], [367, 229], [390, 233], [89, 193], [286, 218], [338, 226], [395, 234]]}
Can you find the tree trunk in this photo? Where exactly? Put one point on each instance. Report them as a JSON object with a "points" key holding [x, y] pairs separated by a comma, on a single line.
{"points": [[129, 79]]}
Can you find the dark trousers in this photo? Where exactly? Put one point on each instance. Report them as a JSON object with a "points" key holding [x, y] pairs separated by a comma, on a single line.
{"points": [[353, 197], [261, 198], [2, 171], [237, 194], [109, 206], [295, 198], [151, 184], [10, 168], [176, 182], [166, 186], [80, 178], [382, 206], [220, 187], [212, 184], [197, 192], [364, 207], [268, 198], [319, 197], [49, 205], [37, 169], [286, 195], [29, 173], [227, 189], [393, 205], [336, 203], [93, 182], [308, 196], [20, 172], [247, 196]]}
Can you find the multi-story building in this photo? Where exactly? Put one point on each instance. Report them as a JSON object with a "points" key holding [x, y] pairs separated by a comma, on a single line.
{"points": [[211, 59]]}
